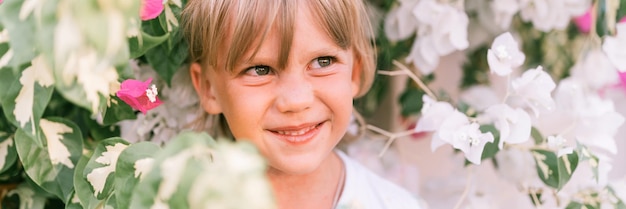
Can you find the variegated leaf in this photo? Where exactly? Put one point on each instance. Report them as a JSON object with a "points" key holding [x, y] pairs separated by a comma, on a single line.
{"points": [[52, 166], [8, 155], [133, 164], [20, 32], [26, 99], [555, 171], [84, 193], [30, 198], [100, 169]]}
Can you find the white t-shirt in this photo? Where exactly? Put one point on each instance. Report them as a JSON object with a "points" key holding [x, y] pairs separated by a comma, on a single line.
{"points": [[365, 190]]}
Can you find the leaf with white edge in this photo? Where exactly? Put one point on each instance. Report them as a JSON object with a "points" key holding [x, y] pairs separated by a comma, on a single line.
{"points": [[140, 45], [8, 155], [157, 187], [26, 99], [74, 202], [29, 197], [194, 171], [552, 170], [132, 165], [54, 135], [536, 135], [586, 155], [20, 32], [85, 81], [83, 188], [101, 167], [51, 167]]}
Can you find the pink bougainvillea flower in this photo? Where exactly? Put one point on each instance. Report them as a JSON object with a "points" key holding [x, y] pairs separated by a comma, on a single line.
{"points": [[622, 83], [583, 22], [139, 95], [150, 9]]}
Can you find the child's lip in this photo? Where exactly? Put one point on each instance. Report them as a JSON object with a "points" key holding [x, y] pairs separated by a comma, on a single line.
{"points": [[298, 134], [295, 128]]}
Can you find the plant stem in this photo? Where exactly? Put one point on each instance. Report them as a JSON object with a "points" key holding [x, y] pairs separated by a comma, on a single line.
{"points": [[411, 74], [467, 188]]}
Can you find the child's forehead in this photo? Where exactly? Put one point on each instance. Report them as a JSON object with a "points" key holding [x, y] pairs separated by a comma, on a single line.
{"points": [[249, 32]]}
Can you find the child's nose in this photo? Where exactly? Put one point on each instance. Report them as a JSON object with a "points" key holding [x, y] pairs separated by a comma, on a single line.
{"points": [[295, 93]]}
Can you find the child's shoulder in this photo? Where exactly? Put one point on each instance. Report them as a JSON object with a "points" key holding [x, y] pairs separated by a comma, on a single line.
{"points": [[364, 189]]}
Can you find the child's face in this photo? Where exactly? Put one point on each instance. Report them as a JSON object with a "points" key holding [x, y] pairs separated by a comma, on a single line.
{"points": [[295, 115]]}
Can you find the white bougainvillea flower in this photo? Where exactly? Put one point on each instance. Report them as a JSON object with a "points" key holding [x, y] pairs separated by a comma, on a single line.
{"points": [[400, 23], [547, 15], [614, 47], [442, 29], [457, 130], [595, 70], [559, 143], [433, 114], [582, 115], [450, 33], [504, 55], [479, 97], [423, 55], [513, 124], [534, 89], [503, 11]]}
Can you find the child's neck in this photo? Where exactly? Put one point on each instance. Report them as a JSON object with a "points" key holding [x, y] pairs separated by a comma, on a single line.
{"points": [[312, 190]]}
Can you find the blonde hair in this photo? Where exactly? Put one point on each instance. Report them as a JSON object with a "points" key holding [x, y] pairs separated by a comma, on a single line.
{"points": [[218, 28]]}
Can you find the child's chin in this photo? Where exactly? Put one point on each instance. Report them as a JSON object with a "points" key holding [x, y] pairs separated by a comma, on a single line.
{"points": [[298, 167]]}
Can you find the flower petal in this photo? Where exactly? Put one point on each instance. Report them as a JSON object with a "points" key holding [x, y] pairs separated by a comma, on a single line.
{"points": [[151, 9]]}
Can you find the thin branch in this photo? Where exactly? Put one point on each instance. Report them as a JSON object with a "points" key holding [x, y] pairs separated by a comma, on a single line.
{"points": [[390, 136], [467, 188], [411, 74]]}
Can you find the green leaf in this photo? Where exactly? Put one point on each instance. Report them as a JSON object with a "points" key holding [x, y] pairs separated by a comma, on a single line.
{"points": [[126, 176], [145, 192], [411, 101], [24, 104], [30, 197], [83, 188], [22, 33], [194, 171], [491, 148], [594, 162], [139, 48], [552, 170], [7, 78], [574, 205], [52, 166], [536, 135], [8, 154], [100, 169], [166, 62], [118, 111]]}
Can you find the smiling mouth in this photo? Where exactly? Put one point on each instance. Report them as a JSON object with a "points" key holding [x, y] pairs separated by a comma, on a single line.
{"points": [[296, 132], [297, 135]]}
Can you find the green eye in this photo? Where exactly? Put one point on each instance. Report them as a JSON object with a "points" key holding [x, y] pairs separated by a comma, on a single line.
{"points": [[259, 70], [321, 62]]}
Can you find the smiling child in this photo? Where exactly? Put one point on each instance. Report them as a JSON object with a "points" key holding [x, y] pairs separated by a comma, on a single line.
{"points": [[283, 74]]}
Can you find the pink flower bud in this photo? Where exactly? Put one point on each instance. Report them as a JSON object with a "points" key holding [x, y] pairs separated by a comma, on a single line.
{"points": [[583, 22], [622, 78], [139, 95], [150, 9]]}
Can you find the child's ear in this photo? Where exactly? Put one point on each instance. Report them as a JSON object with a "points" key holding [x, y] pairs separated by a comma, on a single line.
{"points": [[205, 91], [357, 71]]}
